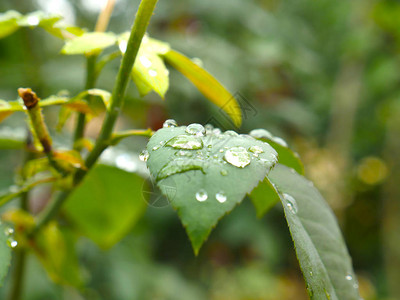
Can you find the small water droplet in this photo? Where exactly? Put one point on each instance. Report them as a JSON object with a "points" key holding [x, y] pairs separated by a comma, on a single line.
{"points": [[221, 150], [220, 196], [8, 231], [155, 148], [12, 243], [170, 123], [144, 155], [238, 157], [231, 133], [153, 73], [256, 149], [209, 128], [261, 133], [290, 203], [349, 277], [201, 195], [33, 20], [145, 61], [185, 142], [217, 131], [355, 285], [224, 172], [215, 156], [196, 129]]}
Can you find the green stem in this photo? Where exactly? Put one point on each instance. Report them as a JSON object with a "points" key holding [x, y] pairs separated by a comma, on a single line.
{"points": [[142, 19], [91, 77]]}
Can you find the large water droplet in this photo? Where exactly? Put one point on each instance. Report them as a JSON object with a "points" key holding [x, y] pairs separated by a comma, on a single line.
{"points": [[201, 195], [145, 61], [12, 243], [279, 141], [261, 133], [256, 149], [290, 203], [185, 142], [144, 155], [238, 157], [170, 123], [196, 129], [220, 196]]}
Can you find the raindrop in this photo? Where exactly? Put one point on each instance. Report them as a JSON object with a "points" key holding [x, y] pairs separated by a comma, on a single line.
{"points": [[256, 149], [279, 141], [201, 195], [33, 20], [261, 133], [144, 155], [290, 203], [170, 123], [8, 231], [156, 148], [196, 129], [153, 73], [185, 142], [215, 156], [224, 172], [349, 277], [237, 156], [12, 243], [231, 133], [217, 131], [221, 150], [209, 128], [145, 61], [220, 196]]}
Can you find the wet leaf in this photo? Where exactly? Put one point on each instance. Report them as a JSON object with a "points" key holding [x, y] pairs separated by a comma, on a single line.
{"points": [[207, 84], [5, 253], [205, 174], [320, 248], [8, 23]]}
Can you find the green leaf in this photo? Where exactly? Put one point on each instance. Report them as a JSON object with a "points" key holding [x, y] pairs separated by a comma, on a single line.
{"points": [[106, 205], [207, 84], [186, 164], [264, 197], [319, 244], [8, 23], [286, 156], [12, 138], [149, 71], [37, 18], [5, 253], [87, 43]]}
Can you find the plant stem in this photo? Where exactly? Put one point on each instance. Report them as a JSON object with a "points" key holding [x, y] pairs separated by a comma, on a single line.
{"points": [[91, 78], [104, 17], [142, 19]]}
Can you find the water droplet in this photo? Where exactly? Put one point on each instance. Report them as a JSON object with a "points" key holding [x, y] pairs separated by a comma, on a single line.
{"points": [[201, 195], [196, 129], [8, 231], [238, 157], [209, 128], [355, 285], [170, 123], [349, 277], [215, 156], [145, 61], [224, 172], [185, 142], [122, 46], [156, 148], [220, 196], [290, 203], [256, 149], [33, 20], [231, 133], [279, 141], [217, 131], [221, 150], [261, 133], [153, 73], [144, 155], [12, 243]]}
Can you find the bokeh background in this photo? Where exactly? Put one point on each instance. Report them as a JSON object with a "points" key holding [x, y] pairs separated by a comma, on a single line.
{"points": [[324, 75]]}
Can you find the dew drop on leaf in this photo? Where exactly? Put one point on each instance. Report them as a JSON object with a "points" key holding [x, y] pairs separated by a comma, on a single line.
{"points": [[238, 157], [170, 123], [256, 149], [279, 141], [153, 73], [144, 155], [220, 196], [201, 195], [196, 129], [290, 203], [185, 142], [261, 133], [224, 172], [8, 231], [12, 243], [145, 61], [231, 133], [349, 277]]}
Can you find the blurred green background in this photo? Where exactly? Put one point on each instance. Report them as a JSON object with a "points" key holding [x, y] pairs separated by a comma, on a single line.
{"points": [[322, 74]]}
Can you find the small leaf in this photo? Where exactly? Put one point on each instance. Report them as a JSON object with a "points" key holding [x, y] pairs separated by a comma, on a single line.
{"points": [[5, 253], [320, 248], [206, 174], [106, 205], [36, 18], [286, 156], [207, 84], [90, 42], [8, 23]]}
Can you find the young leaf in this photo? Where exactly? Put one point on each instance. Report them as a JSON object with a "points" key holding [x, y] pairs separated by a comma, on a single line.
{"points": [[90, 42], [286, 156], [149, 71], [205, 174], [8, 23], [5, 253], [319, 244], [106, 205], [206, 84]]}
